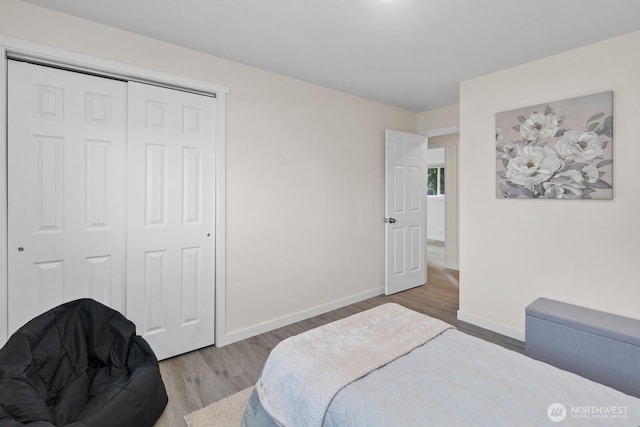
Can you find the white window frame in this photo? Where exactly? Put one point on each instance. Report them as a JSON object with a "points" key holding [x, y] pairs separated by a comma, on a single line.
{"points": [[11, 48], [441, 169]]}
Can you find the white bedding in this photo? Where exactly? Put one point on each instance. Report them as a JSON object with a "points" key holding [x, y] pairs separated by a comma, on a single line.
{"points": [[462, 381], [452, 380], [304, 372]]}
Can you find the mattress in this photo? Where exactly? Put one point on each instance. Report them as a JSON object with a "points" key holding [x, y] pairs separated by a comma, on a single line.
{"points": [[459, 380]]}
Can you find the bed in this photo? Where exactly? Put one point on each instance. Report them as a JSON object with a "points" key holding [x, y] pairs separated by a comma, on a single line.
{"points": [[439, 378]]}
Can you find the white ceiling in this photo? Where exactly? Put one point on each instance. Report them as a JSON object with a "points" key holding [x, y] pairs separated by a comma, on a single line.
{"points": [[408, 53]]}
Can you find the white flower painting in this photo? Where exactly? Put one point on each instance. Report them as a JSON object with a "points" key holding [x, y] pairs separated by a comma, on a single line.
{"points": [[558, 150]]}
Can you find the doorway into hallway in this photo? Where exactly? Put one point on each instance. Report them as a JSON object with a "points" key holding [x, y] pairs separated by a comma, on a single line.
{"points": [[442, 200]]}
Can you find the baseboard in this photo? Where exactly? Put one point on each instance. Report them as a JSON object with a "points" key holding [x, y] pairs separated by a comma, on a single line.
{"points": [[452, 266], [491, 325], [261, 328]]}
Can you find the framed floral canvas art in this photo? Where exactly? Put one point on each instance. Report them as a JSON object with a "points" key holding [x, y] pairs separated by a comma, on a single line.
{"points": [[558, 150]]}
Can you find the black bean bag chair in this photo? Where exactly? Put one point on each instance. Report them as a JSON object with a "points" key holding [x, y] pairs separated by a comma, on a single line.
{"points": [[79, 364]]}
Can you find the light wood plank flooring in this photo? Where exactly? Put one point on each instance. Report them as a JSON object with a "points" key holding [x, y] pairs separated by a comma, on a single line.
{"points": [[199, 378]]}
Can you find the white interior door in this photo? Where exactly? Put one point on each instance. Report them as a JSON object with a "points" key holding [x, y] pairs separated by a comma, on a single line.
{"points": [[66, 215], [405, 211], [170, 218]]}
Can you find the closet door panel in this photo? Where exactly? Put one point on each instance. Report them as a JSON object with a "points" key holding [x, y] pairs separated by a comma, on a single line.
{"points": [[170, 218], [66, 186]]}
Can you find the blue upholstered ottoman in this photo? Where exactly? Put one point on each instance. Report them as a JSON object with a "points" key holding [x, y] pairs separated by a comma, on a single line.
{"points": [[600, 346]]}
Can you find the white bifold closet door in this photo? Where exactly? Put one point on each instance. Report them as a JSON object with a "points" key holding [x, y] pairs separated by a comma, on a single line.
{"points": [[170, 217], [110, 196], [66, 214]]}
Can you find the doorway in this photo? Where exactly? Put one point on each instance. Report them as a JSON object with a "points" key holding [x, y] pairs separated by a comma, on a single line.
{"points": [[442, 205], [436, 205]]}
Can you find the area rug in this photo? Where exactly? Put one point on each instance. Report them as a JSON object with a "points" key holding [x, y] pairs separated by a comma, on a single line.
{"points": [[227, 412]]}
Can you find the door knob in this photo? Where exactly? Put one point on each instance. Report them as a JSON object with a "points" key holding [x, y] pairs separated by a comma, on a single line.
{"points": [[20, 249], [392, 220]]}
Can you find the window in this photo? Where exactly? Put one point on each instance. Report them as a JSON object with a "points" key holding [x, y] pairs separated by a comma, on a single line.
{"points": [[435, 181]]}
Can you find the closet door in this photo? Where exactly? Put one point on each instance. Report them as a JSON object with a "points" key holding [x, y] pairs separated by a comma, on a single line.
{"points": [[170, 218], [66, 216]]}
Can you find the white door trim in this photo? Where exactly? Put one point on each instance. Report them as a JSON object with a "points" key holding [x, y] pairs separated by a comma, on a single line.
{"points": [[42, 54], [440, 131]]}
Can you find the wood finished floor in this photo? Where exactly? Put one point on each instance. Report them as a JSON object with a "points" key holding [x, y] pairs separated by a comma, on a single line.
{"points": [[199, 378]]}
